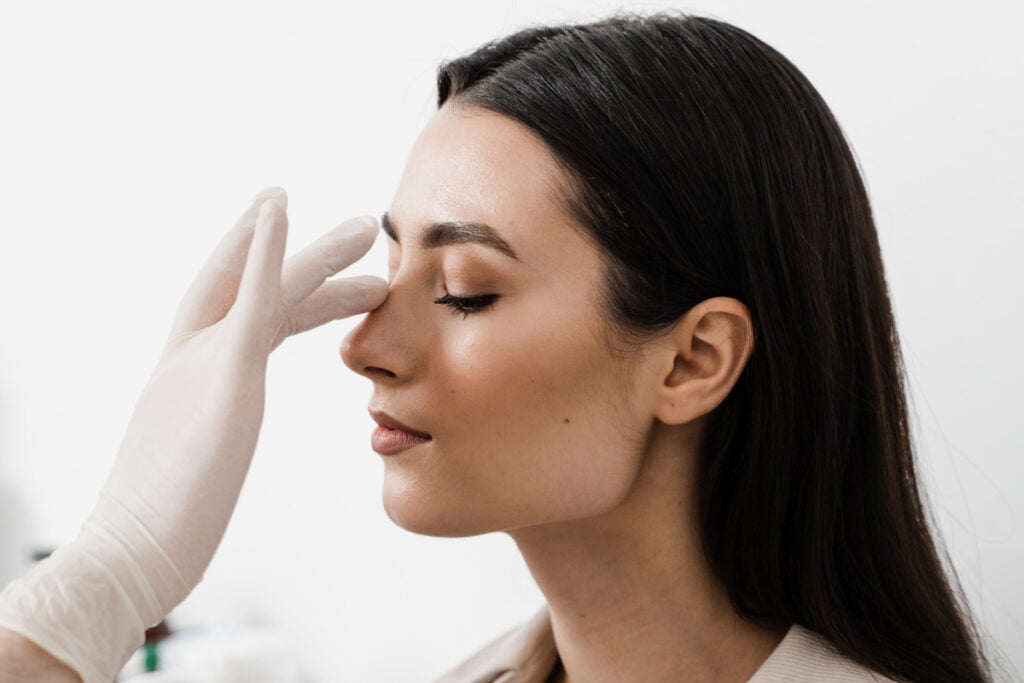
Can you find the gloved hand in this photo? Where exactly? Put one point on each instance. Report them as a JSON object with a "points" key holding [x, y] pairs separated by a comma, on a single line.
{"points": [[167, 501]]}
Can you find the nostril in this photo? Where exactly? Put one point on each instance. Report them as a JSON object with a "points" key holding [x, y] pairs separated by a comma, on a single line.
{"points": [[373, 368]]}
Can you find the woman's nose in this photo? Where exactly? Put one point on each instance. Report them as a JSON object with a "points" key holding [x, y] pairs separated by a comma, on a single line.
{"points": [[381, 346]]}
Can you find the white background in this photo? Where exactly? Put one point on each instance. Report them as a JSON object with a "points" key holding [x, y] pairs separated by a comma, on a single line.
{"points": [[132, 135]]}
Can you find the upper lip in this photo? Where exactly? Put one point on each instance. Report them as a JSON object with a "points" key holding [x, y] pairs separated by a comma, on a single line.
{"points": [[385, 420]]}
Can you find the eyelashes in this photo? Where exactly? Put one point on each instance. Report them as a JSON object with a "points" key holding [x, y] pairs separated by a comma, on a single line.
{"points": [[467, 305]]}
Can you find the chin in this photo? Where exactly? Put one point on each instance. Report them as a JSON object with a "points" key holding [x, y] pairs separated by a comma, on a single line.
{"points": [[431, 515], [440, 525]]}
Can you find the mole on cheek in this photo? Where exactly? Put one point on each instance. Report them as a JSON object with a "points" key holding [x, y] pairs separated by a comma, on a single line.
{"points": [[566, 420]]}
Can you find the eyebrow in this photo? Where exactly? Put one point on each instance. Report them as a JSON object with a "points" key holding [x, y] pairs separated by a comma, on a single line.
{"points": [[454, 232]]}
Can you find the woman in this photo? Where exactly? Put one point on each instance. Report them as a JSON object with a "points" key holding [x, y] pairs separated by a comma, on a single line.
{"points": [[670, 373]]}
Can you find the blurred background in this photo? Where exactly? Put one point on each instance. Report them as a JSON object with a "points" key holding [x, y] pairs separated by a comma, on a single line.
{"points": [[133, 134]]}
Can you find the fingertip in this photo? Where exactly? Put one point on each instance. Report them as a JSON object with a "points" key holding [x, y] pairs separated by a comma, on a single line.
{"points": [[359, 234], [374, 289], [368, 223], [272, 192], [272, 204], [372, 282]]}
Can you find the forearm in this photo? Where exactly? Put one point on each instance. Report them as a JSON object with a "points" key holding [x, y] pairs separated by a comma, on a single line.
{"points": [[22, 661]]}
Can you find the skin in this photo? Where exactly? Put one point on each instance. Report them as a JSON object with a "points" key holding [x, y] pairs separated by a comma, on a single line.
{"points": [[22, 660], [585, 456]]}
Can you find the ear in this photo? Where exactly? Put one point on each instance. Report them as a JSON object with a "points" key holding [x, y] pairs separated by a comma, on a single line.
{"points": [[702, 359]]}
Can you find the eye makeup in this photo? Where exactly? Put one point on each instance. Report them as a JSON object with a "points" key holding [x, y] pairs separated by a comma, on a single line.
{"points": [[467, 305]]}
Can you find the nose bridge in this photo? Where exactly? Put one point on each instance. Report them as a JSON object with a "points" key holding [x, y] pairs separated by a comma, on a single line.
{"points": [[384, 344]]}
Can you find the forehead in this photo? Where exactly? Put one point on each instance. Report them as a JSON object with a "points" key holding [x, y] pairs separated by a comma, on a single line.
{"points": [[469, 164]]}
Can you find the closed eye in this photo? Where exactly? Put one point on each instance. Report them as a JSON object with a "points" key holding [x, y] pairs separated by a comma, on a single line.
{"points": [[467, 305]]}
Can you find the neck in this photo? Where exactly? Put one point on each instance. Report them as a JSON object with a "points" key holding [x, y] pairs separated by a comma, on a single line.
{"points": [[630, 592]]}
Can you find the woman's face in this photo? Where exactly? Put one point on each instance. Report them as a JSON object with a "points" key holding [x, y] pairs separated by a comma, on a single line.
{"points": [[533, 420]]}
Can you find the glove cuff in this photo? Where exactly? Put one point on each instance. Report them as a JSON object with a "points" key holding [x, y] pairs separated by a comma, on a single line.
{"points": [[90, 602]]}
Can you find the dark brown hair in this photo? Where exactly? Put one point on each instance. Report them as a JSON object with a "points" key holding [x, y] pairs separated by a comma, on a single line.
{"points": [[703, 163]]}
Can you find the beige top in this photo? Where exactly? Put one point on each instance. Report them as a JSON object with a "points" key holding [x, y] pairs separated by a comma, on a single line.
{"points": [[526, 654]]}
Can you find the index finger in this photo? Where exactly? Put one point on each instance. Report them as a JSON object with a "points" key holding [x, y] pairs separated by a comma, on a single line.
{"points": [[304, 272]]}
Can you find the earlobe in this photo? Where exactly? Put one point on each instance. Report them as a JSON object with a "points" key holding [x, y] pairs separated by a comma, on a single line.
{"points": [[704, 358]]}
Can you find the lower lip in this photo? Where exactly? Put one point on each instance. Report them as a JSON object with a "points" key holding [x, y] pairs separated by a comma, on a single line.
{"points": [[390, 441]]}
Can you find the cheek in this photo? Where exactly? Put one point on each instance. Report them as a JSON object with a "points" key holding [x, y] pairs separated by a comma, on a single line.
{"points": [[531, 372], [534, 420]]}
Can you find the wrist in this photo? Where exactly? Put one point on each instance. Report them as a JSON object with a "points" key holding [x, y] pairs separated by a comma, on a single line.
{"points": [[90, 602], [21, 659]]}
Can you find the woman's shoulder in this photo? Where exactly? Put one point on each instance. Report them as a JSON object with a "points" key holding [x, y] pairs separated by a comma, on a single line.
{"points": [[526, 653], [804, 656]]}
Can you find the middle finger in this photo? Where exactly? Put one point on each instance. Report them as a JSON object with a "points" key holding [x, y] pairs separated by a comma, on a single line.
{"points": [[304, 272]]}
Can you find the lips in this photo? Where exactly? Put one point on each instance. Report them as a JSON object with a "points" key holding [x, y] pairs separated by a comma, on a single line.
{"points": [[385, 420]]}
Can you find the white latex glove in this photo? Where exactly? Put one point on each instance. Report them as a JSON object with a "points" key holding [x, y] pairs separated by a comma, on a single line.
{"points": [[173, 487]]}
